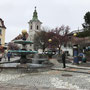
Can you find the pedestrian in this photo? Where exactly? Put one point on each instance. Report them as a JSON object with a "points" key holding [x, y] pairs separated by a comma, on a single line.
{"points": [[9, 56], [63, 59]]}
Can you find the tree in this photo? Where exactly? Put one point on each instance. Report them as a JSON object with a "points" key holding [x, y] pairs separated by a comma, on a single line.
{"points": [[86, 25], [13, 46], [61, 35], [58, 36], [40, 39], [85, 33]]}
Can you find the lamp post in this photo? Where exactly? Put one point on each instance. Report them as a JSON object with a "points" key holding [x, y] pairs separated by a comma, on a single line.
{"points": [[59, 49], [43, 46], [75, 51], [75, 34], [50, 51], [49, 40]]}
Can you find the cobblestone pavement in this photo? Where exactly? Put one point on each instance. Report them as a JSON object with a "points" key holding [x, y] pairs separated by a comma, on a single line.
{"points": [[47, 80], [70, 67]]}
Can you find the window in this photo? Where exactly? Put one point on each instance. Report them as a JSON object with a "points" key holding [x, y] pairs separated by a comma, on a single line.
{"points": [[37, 27], [0, 41], [0, 31], [31, 26]]}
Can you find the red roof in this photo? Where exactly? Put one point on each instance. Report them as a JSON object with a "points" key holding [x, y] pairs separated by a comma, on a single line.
{"points": [[20, 37]]}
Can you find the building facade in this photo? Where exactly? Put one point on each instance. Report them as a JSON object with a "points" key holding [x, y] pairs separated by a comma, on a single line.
{"points": [[34, 27], [2, 32]]}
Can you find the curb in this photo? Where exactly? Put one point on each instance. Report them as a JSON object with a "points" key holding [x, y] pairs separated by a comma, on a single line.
{"points": [[84, 68], [60, 69]]}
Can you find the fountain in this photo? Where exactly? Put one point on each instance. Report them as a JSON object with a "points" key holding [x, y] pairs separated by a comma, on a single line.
{"points": [[40, 61], [23, 52], [36, 62]]}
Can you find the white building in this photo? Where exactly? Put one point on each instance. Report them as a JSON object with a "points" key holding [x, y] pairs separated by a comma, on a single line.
{"points": [[34, 26], [67, 49]]}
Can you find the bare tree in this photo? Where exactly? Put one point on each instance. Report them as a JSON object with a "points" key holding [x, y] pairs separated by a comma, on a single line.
{"points": [[61, 35], [13, 46], [40, 39], [58, 36]]}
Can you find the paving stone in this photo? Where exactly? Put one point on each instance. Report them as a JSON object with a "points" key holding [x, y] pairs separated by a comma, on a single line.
{"points": [[48, 80]]}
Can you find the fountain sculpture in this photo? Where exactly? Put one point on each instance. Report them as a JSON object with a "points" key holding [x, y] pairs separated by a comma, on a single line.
{"points": [[23, 52], [36, 62]]}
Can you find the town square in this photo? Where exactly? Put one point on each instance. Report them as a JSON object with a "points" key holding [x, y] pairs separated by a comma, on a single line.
{"points": [[45, 45]]}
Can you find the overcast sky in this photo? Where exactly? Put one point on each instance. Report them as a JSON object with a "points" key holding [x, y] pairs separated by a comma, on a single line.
{"points": [[53, 13]]}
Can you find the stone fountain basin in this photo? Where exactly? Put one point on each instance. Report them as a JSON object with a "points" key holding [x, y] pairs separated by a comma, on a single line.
{"points": [[23, 52], [39, 60], [28, 65], [9, 65]]}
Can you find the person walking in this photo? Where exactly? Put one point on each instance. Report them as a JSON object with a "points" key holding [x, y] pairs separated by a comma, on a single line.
{"points": [[63, 59], [8, 55]]}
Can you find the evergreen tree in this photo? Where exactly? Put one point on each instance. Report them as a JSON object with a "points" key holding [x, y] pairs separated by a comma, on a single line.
{"points": [[86, 25]]}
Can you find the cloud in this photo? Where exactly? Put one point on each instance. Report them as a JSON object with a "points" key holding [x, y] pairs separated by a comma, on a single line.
{"points": [[53, 13]]}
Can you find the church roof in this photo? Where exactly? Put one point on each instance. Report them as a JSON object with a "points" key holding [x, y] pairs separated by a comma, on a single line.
{"points": [[35, 16], [2, 24], [20, 37]]}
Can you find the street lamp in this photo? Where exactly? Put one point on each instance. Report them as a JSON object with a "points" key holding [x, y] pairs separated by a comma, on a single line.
{"points": [[49, 40], [43, 46], [75, 51], [59, 49], [75, 34]]}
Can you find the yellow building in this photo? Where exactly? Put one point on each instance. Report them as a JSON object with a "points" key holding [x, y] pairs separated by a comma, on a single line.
{"points": [[2, 32]]}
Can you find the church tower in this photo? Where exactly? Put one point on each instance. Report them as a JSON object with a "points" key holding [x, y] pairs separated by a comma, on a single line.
{"points": [[34, 27]]}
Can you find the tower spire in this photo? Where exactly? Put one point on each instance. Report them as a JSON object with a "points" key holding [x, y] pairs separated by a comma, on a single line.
{"points": [[35, 16], [35, 7]]}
